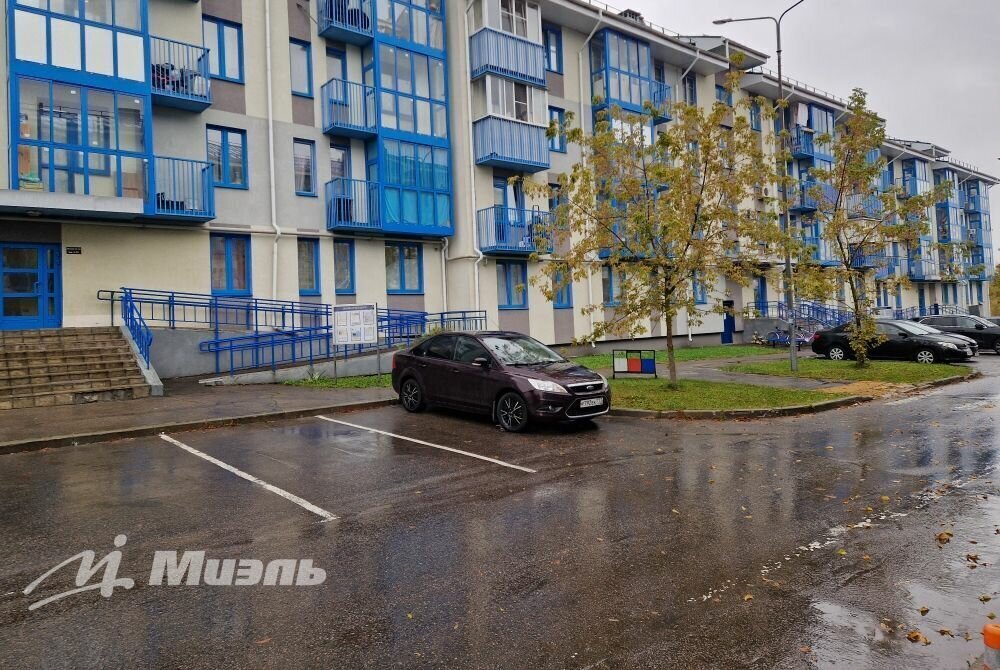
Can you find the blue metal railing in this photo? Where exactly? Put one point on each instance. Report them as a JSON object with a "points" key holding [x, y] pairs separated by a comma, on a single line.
{"points": [[353, 204], [506, 143], [662, 97], [801, 143], [513, 230], [346, 19], [349, 107], [929, 310], [181, 187], [180, 70], [974, 203], [497, 52], [805, 312], [821, 251], [893, 266], [136, 325], [861, 205], [866, 257], [923, 268]]}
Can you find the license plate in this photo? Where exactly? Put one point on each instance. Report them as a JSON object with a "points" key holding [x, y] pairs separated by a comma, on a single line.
{"points": [[592, 402]]}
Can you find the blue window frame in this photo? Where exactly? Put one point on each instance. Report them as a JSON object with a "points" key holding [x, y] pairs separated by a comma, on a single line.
{"points": [[404, 267], [699, 290], [416, 182], [621, 70], [300, 60], [552, 38], [563, 298], [228, 156], [417, 21], [512, 284], [723, 95], [690, 85], [309, 282], [304, 159], [336, 68], [413, 97], [557, 142], [343, 267], [755, 116], [224, 41], [610, 286], [230, 257]]}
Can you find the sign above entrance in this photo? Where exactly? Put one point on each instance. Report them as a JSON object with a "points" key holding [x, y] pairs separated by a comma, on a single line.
{"points": [[355, 324], [74, 251]]}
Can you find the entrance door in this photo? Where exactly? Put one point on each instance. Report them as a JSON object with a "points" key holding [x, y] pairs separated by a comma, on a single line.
{"points": [[728, 321], [509, 201], [30, 286]]}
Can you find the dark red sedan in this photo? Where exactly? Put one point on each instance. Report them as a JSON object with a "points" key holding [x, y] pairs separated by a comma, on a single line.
{"points": [[510, 376]]}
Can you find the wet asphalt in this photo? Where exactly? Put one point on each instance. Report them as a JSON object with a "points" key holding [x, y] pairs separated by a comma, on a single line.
{"points": [[787, 543]]}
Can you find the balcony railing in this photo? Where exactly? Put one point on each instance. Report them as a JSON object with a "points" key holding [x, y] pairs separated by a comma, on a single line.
{"points": [[353, 204], [864, 257], [863, 206], [495, 52], [506, 230], [514, 145], [181, 188], [351, 21], [802, 196], [892, 266], [907, 187], [179, 74], [974, 203], [662, 97], [822, 253], [982, 259], [923, 268], [801, 143], [349, 108]]}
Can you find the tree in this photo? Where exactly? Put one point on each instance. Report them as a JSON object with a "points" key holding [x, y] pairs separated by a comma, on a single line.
{"points": [[857, 218], [655, 207]]}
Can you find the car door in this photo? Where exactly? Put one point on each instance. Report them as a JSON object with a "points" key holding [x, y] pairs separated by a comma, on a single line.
{"points": [[968, 327], [473, 386], [893, 345], [434, 367]]}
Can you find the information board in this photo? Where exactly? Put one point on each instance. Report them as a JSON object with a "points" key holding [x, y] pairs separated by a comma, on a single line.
{"points": [[354, 324], [634, 362]]}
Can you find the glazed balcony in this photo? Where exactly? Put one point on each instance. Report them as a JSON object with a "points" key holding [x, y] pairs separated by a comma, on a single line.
{"points": [[504, 230], [349, 108], [821, 251], [496, 52], [512, 145], [179, 75], [351, 21], [974, 203], [361, 206]]}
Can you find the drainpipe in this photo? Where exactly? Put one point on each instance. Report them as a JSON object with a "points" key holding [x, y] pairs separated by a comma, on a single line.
{"points": [[444, 274], [480, 257], [583, 100], [270, 150]]}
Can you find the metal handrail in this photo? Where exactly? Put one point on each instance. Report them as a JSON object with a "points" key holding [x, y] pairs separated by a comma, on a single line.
{"points": [[136, 325]]}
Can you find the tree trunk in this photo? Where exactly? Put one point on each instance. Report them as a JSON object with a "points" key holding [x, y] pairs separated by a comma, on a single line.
{"points": [[671, 361]]}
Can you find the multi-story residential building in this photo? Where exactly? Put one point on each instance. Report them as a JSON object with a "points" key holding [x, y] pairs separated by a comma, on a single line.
{"points": [[358, 151]]}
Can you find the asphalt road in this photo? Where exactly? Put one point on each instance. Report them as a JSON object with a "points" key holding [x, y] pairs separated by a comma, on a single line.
{"points": [[787, 543]]}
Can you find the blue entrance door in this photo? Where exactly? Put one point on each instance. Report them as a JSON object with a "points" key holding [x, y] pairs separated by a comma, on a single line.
{"points": [[728, 321], [30, 286]]}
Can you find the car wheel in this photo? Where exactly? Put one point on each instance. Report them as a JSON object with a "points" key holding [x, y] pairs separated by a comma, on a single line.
{"points": [[926, 356], [996, 346], [836, 353], [512, 412], [411, 396]]}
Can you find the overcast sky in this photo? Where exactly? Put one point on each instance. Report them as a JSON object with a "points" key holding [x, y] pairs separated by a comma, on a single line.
{"points": [[931, 67]]}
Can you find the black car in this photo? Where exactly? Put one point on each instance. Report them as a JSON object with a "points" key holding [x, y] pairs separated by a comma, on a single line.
{"points": [[985, 333], [510, 376], [903, 340]]}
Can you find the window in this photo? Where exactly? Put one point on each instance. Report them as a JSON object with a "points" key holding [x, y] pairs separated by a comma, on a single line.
{"points": [[468, 349], [227, 154], [308, 266], [510, 99], [300, 57], [304, 158], [417, 21], [699, 290], [442, 346], [610, 286], [230, 264], [514, 17], [512, 284], [416, 185], [413, 96], [627, 70], [690, 85], [563, 298], [755, 116], [552, 38], [558, 141], [224, 41], [404, 271], [723, 95], [343, 267], [340, 161]]}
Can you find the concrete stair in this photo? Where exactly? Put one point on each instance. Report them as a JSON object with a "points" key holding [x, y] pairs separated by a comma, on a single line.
{"points": [[67, 366]]}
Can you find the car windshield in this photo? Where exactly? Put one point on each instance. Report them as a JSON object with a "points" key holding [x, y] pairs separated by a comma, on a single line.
{"points": [[980, 320], [926, 328], [910, 327], [520, 350]]}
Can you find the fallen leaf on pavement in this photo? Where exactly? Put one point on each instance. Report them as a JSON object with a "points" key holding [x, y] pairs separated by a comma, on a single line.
{"points": [[923, 611], [985, 598], [747, 598], [917, 636], [945, 631]]}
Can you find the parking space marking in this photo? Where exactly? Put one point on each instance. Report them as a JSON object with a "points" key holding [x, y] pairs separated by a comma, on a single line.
{"points": [[429, 444], [305, 504]]}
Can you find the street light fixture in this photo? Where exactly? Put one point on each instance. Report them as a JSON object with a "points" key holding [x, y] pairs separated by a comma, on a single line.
{"points": [[789, 292]]}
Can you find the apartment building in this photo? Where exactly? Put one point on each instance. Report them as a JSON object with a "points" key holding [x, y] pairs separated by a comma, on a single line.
{"points": [[359, 151]]}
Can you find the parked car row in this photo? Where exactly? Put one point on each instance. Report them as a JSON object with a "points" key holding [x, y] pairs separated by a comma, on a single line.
{"points": [[985, 333], [900, 340]]}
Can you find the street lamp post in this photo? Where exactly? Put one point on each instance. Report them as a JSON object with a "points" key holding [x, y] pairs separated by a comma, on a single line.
{"points": [[785, 224]]}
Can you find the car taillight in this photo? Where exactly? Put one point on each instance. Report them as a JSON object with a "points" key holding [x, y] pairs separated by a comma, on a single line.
{"points": [[394, 361], [814, 337]]}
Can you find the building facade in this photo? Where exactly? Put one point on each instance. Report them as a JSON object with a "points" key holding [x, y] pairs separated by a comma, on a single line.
{"points": [[359, 151]]}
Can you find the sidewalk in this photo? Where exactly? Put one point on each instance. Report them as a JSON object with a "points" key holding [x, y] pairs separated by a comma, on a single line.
{"points": [[187, 405]]}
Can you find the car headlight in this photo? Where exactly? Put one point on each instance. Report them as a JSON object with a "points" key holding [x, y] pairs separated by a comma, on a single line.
{"points": [[604, 380], [948, 345], [550, 387]]}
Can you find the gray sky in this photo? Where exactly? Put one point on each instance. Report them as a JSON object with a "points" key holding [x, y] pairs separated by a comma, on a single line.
{"points": [[930, 67]]}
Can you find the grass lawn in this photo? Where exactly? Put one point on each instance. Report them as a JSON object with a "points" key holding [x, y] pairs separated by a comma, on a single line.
{"points": [[894, 372], [603, 361], [656, 394], [366, 382]]}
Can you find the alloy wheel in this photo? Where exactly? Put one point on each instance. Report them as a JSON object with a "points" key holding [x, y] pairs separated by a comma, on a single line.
{"points": [[512, 412], [925, 356], [836, 354], [411, 397]]}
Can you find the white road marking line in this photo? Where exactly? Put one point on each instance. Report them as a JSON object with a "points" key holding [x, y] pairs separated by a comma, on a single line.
{"points": [[428, 444], [305, 504]]}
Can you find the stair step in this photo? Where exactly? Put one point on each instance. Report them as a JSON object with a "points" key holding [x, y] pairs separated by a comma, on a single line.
{"points": [[52, 398], [27, 368], [71, 386], [64, 355], [73, 345], [82, 377]]}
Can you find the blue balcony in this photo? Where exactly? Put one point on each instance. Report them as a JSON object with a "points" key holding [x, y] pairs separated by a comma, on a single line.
{"points": [[982, 261], [923, 268], [349, 109], [865, 257], [821, 251], [505, 230], [662, 97], [351, 21], [892, 266], [182, 190], [360, 206], [509, 144], [802, 197], [974, 203], [495, 52], [801, 143], [863, 206], [907, 187], [179, 75]]}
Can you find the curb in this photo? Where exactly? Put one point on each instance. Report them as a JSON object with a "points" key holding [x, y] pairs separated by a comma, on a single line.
{"points": [[794, 410], [184, 426], [974, 374]]}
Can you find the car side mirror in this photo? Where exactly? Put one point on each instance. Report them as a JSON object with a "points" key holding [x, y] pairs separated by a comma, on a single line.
{"points": [[481, 362], [904, 334], [980, 326]]}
